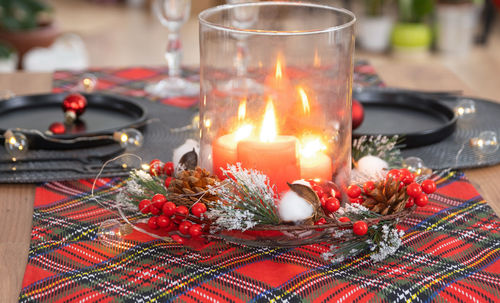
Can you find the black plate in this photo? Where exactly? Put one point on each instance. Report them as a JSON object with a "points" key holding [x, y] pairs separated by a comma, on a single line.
{"points": [[419, 120], [104, 115]]}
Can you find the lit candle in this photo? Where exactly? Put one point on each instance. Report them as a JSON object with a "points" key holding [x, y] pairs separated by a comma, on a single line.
{"points": [[273, 155], [314, 164]]}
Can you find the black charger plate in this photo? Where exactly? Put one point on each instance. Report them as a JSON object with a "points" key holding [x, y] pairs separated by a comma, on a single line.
{"points": [[420, 120], [104, 115]]}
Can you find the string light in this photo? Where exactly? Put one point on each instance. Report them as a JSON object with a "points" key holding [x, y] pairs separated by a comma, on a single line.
{"points": [[16, 144], [465, 109], [111, 232], [87, 83], [416, 166], [486, 143], [130, 138]]}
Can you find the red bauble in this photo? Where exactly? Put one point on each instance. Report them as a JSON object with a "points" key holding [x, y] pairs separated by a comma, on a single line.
{"points": [[57, 128], [155, 167], [358, 114], [168, 168], [360, 228], [168, 180], [74, 103]]}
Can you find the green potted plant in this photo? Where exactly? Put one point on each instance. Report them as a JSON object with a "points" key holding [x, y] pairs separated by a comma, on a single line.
{"points": [[26, 23], [8, 58], [456, 22], [375, 26], [412, 35]]}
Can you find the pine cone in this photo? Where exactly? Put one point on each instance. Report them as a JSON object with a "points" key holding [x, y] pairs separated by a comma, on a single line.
{"points": [[387, 198], [191, 185]]}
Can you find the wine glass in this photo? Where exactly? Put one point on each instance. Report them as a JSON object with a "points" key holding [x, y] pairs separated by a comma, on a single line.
{"points": [[243, 18], [173, 14]]}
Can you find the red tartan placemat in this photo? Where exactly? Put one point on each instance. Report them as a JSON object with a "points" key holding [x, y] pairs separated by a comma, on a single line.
{"points": [[450, 252]]}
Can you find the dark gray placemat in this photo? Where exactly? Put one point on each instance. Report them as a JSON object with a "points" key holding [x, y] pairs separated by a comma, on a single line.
{"points": [[159, 142], [455, 151]]}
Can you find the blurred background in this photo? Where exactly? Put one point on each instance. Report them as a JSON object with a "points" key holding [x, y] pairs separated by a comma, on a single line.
{"points": [[75, 34]]}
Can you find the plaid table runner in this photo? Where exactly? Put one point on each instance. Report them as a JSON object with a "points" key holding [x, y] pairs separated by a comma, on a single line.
{"points": [[450, 251]]}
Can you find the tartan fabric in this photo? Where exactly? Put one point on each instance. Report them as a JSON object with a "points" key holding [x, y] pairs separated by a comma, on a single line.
{"points": [[450, 251]]}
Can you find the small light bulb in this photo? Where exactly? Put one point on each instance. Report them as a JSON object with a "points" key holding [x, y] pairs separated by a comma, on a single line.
{"points": [[109, 233], [129, 138], [16, 144], [416, 166], [87, 83], [465, 109], [486, 143]]}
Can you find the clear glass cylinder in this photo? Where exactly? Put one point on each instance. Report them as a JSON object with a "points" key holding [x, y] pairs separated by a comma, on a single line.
{"points": [[276, 83]]}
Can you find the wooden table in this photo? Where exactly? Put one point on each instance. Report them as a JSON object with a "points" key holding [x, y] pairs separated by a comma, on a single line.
{"points": [[16, 201]]}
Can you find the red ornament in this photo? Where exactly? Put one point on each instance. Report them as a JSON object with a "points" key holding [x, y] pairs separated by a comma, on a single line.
{"points": [[195, 230], [358, 114], [74, 105], [57, 128], [360, 228], [184, 227], [168, 168], [153, 223], [319, 191], [353, 191], [429, 186], [368, 187], [168, 180], [169, 209], [155, 167], [198, 209], [414, 190], [421, 200]]}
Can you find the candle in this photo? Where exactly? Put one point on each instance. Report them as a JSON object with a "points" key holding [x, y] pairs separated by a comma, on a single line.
{"points": [[273, 155], [224, 149], [314, 164]]}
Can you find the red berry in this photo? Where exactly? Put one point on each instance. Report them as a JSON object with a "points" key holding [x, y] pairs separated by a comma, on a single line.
{"points": [[168, 180], [144, 206], [195, 230], [184, 227], [181, 210], [169, 209], [332, 204], [414, 190], [410, 202], [163, 221], [154, 210], [155, 167], [357, 201], [353, 191], [312, 182], [57, 128], [198, 209], [320, 222], [368, 187], [319, 191], [168, 168], [428, 186], [178, 239], [360, 228], [406, 176], [393, 174], [344, 219], [153, 223], [421, 200], [158, 201]]}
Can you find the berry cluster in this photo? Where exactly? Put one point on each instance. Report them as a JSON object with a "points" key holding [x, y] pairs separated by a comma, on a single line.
{"points": [[417, 193], [171, 217]]}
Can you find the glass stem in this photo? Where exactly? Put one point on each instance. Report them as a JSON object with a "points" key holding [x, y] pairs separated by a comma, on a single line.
{"points": [[241, 60], [173, 54]]}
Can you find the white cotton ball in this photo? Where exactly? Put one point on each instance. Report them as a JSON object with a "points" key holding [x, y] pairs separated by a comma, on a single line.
{"points": [[185, 148], [293, 208], [371, 166]]}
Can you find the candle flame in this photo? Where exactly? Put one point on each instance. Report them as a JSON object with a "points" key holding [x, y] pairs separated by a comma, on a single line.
{"points": [[311, 147], [242, 109], [279, 72], [305, 101], [269, 131], [243, 132]]}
